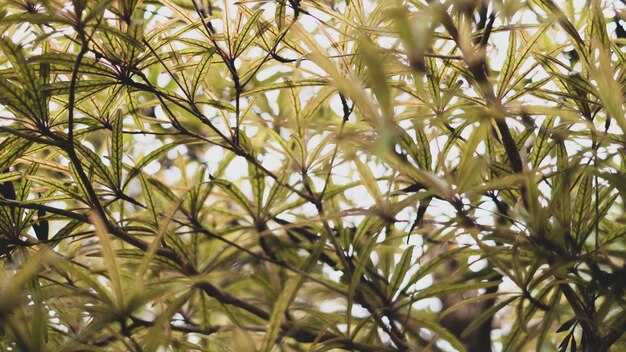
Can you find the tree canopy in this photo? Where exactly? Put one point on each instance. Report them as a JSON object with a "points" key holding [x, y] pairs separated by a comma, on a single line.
{"points": [[312, 175]]}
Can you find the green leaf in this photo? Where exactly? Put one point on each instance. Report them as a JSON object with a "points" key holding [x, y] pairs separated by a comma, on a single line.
{"points": [[39, 328], [63, 62], [421, 153], [441, 332], [433, 264], [516, 58], [82, 86], [486, 315], [561, 188], [236, 195], [79, 184], [508, 68], [377, 76], [14, 148], [368, 179], [287, 296], [153, 338], [222, 105], [362, 262], [542, 145], [97, 10], [152, 156], [401, 269], [37, 18], [551, 8], [606, 199], [77, 193], [94, 162], [117, 148], [151, 202], [287, 84], [10, 176], [582, 208], [242, 39], [257, 180], [279, 15], [201, 70], [25, 73], [437, 290], [424, 157], [16, 99]]}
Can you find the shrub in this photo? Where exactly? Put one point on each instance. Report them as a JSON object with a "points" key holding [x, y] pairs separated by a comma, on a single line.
{"points": [[312, 175]]}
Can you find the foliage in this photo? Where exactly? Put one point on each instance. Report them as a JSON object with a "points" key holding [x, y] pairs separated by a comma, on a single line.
{"points": [[297, 175]]}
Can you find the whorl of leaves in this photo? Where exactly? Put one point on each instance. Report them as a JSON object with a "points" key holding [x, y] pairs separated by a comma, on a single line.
{"points": [[307, 175]]}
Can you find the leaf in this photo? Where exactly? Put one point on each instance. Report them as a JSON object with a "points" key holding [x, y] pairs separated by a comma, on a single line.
{"points": [[117, 148], [485, 315], [605, 203], [157, 241], [25, 73], [76, 193], [15, 147], [582, 208], [279, 15], [287, 296], [542, 145], [298, 145], [561, 187], [63, 62], [84, 193], [516, 58], [150, 199], [567, 325], [596, 29], [508, 69], [470, 168], [66, 230], [97, 10], [417, 153], [437, 290], [222, 105], [551, 8], [368, 179], [82, 86], [152, 156], [424, 157], [235, 194], [95, 163], [37, 18], [257, 180], [441, 332], [243, 35], [287, 84], [201, 70], [162, 323], [369, 228], [163, 189], [362, 262], [607, 86], [377, 76], [12, 284], [10, 176], [23, 189], [39, 328], [15, 98], [401, 269], [133, 109]]}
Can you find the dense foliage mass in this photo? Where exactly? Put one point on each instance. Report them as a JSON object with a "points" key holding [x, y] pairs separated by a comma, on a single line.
{"points": [[308, 175]]}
